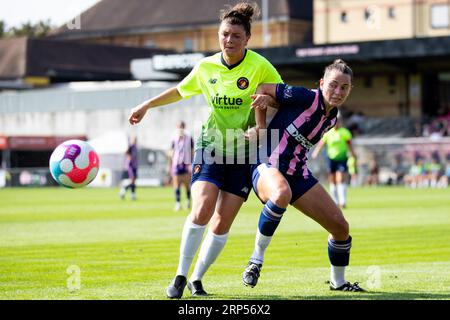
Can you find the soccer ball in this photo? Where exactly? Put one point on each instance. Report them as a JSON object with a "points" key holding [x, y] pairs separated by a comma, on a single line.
{"points": [[74, 164]]}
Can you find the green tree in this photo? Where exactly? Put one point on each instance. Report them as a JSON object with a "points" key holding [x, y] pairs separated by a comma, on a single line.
{"points": [[2, 28], [27, 29]]}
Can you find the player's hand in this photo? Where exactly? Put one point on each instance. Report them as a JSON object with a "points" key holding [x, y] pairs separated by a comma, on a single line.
{"points": [[137, 114], [261, 101]]}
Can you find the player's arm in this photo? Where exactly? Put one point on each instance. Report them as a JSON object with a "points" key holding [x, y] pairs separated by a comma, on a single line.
{"points": [[352, 151], [265, 96], [169, 96], [317, 149]]}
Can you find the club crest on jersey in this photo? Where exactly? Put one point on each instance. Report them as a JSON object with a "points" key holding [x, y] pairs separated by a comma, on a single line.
{"points": [[212, 81], [242, 83]]}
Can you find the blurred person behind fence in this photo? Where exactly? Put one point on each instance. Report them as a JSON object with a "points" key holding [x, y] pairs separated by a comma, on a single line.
{"points": [[180, 161], [130, 173]]}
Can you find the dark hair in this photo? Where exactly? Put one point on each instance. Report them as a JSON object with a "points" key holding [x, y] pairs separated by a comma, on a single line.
{"points": [[241, 14], [339, 65]]}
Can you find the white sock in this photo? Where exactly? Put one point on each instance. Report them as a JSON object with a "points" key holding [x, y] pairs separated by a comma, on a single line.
{"points": [[211, 248], [261, 244], [333, 193], [190, 242], [342, 193], [337, 276]]}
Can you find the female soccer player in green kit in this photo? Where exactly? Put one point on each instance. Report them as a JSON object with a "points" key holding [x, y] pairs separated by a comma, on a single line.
{"points": [[227, 80]]}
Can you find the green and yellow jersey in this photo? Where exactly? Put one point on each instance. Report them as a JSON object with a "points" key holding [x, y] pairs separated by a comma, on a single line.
{"points": [[337, 143], [227, 90]]}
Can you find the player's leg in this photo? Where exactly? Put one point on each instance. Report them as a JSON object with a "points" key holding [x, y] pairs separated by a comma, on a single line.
{"points": [[133, 178], [186, 181], [123, 184], [233, 192], [341, 183], [204, 196], [274, 191], [318, 205], [206, 181], [332, 180], [176, 183], [227, 207]]}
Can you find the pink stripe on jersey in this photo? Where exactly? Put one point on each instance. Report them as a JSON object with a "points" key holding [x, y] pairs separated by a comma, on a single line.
{"points": [[308, 112], [294, 160], [317, 128], [275, 156], [297, 122]]}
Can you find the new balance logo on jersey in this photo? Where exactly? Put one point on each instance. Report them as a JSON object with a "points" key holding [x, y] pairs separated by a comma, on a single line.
{"points": [[287, 92], [244, 189], [220, 101], [305, 143]]}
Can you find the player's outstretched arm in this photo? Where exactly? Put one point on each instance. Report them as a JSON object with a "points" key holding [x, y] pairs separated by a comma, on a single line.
{"points": [[169, 96], [269, 89], [317, 149]]}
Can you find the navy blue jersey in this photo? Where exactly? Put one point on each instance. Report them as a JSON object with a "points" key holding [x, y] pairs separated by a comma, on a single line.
{"points": [[301, 121]]}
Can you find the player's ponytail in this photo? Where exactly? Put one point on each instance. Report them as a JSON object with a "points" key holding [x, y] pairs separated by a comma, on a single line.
{"points": [[339, 65], [241, 14]]}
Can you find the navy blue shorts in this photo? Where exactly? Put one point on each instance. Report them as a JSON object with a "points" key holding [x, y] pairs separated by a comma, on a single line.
{"points": [[232, 178], [130, 173], [299, 184], [335, 166], [180, 169]]}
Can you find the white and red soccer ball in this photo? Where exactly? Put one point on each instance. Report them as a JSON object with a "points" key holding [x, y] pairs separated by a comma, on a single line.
{"points": [[74, 164]]}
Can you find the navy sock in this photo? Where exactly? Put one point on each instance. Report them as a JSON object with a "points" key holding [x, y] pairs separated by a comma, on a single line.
{"points": [[133, 187], [270, 218], [177, 194], [188, 194], [339, 252]]}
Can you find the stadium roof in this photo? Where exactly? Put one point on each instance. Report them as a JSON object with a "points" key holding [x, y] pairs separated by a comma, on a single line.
{"points": [[110, 17], [67, 61]]}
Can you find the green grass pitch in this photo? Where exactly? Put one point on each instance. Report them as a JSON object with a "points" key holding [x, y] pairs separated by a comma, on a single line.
{"points": [[57, 243]]}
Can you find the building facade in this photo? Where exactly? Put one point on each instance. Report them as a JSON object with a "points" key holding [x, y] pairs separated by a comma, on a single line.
{"points": [[337, 21]]}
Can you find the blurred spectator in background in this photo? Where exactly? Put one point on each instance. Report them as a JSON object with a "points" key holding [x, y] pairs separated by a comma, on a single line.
{"points": [[401, 168], [180, 161], [372, 178], [355, 123], [415, 176], [444, 180], [130, 174], [433, 171]]}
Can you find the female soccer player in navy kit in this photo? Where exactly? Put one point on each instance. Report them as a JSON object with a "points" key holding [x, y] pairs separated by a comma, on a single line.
{"points": [[303, 117]]}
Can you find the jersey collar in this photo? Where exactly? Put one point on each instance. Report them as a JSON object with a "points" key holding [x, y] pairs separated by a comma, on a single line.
{"points": [[333, 112], [232, 65]]}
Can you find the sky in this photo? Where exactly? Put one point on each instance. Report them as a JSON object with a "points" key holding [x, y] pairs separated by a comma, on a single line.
{"points": [[16, 12]]}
